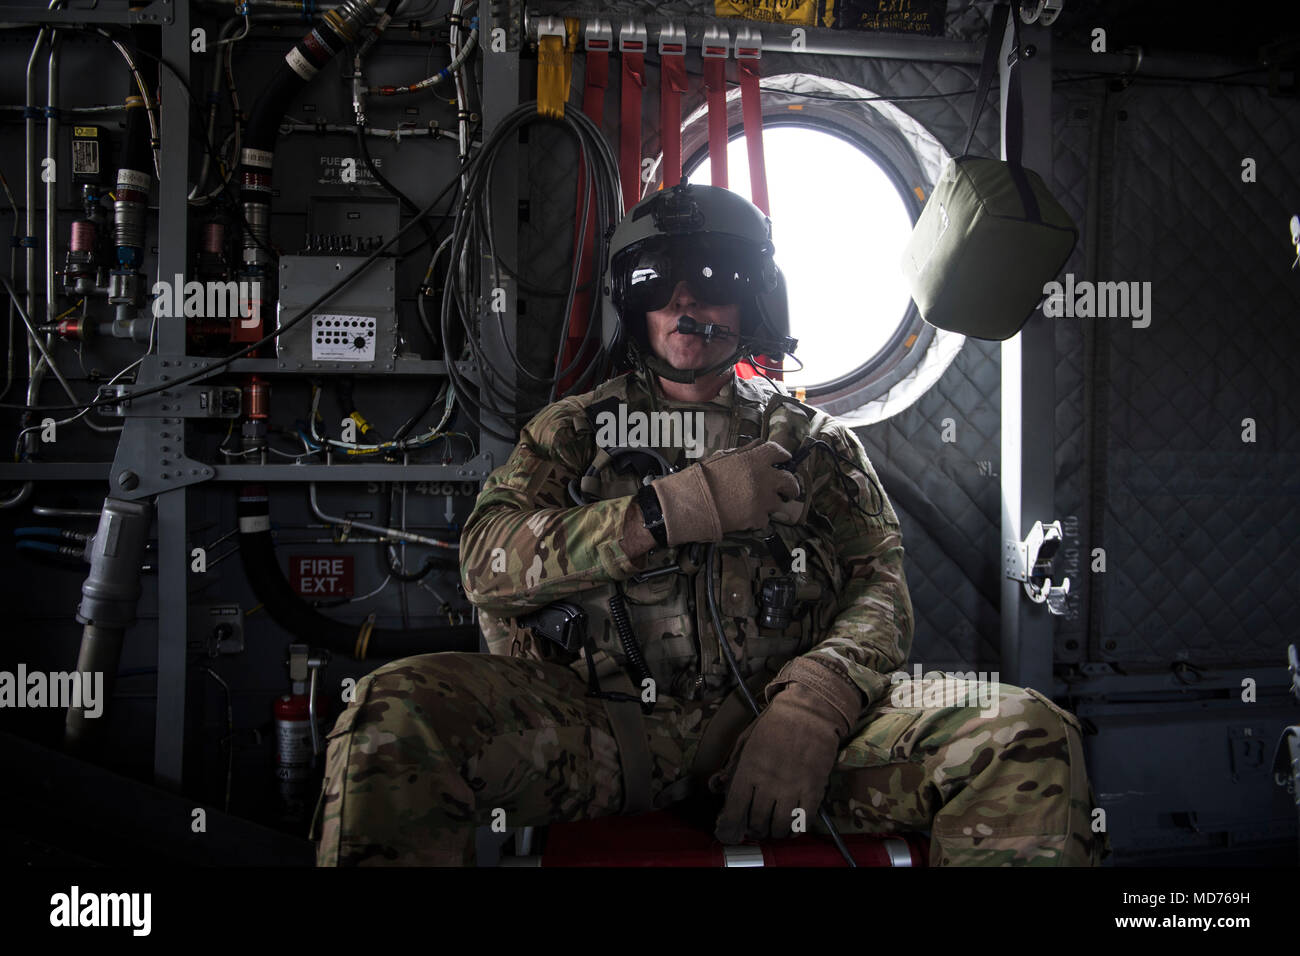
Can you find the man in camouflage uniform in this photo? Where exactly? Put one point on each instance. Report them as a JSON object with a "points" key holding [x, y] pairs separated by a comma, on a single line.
{"points": [[800, 566]]}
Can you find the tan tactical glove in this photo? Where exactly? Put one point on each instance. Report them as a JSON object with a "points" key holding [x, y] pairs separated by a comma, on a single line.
{"points": [[783, 760], [734, 490]]}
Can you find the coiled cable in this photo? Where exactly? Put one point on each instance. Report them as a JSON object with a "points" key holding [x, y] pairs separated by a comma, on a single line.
{"points": [[709, 562], [631, 649]]}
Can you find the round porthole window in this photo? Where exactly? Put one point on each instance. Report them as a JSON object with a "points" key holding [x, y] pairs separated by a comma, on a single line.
{"points": [[847, 176], [838, 236]]}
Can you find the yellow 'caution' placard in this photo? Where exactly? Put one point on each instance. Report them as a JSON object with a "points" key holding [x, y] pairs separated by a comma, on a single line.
{"points": [[798, 12]]}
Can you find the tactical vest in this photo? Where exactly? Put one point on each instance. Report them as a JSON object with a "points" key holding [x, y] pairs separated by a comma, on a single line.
{"points": [[667, 604]]}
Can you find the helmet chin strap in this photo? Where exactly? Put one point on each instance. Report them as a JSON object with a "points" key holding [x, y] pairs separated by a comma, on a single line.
{"points": [[648, 362], [651, 362], [687, 376]]}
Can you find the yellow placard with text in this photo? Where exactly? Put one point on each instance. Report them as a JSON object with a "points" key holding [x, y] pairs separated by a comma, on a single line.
{"points": [[797, 12]]}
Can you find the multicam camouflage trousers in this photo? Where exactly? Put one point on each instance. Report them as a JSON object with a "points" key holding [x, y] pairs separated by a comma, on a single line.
{"points": [[436, 745]]}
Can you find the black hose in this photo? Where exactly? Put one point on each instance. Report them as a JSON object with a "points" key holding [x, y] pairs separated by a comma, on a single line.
{"points": [[430, 562], [330, 34], [300, 619], [264, 120], [260, 135], [405, 428]]}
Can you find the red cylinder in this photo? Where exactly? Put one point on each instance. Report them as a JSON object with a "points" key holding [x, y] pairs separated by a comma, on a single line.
{"points": [[214, 237], [257, 398], [293, 752], [83, 236], [75, 330]]}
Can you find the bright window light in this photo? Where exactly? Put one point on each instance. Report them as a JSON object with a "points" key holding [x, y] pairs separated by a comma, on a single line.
{"points": [[839, 226]]}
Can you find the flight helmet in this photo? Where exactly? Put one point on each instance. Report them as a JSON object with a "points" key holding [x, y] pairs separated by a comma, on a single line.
{"points": [[721, 245]]}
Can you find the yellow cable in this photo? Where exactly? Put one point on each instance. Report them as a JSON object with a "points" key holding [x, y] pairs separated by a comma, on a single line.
{"points": [[363, 639], [70, 311]]}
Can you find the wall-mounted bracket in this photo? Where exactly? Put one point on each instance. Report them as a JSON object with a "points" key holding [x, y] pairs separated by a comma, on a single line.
{"points": [[551, 26], [715, 44], [599, 36], [187, 401], [749, 43], [672, 40], [1030, 561], [305, 666], [632, 37], [1042, 12]]}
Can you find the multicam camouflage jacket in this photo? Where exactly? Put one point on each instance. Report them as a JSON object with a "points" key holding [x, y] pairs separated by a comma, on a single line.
{"points": [[529, 542]]}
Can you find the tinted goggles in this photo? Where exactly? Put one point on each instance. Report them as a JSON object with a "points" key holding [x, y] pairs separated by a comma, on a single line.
{"points": [[719, 271]]}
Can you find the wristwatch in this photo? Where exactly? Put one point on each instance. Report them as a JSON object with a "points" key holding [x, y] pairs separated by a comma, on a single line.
{"points": [[652, 515]]}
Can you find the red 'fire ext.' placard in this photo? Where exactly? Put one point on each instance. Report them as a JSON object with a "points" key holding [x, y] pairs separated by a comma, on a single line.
{"points": [[321, 577]]}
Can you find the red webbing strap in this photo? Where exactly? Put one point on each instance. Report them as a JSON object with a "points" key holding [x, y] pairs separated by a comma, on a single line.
{"points": [[629, 155], [752, 108], [672, 84], [593, 93], [715, 86], [593, 104]]}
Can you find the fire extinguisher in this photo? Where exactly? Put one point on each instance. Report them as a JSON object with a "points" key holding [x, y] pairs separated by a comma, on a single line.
{"points": [[299, 745]]}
